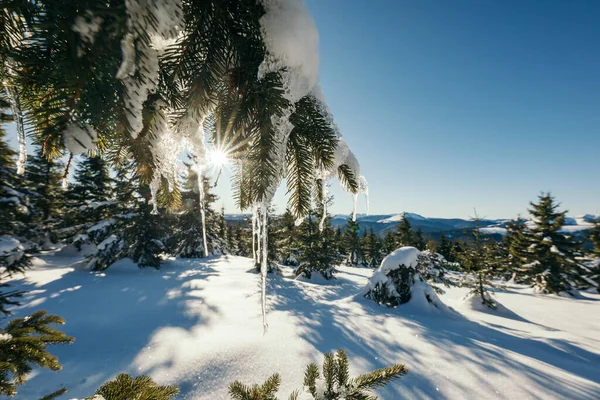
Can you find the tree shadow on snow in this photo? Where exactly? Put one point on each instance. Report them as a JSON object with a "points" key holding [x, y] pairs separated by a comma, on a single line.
{"points": [[329, 325], [112, 318]]}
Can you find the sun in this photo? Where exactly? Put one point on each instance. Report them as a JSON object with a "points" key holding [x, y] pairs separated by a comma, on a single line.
{"points": [[217, 158]]}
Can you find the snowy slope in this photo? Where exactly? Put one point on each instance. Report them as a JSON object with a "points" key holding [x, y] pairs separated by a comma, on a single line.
{"points": [[197, 324]]}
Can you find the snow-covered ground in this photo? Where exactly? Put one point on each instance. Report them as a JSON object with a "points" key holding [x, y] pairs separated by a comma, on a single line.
{"points": [[197, 324]]}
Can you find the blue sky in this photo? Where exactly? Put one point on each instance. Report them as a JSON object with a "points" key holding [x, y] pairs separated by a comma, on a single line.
{"points": [[451, 105]]}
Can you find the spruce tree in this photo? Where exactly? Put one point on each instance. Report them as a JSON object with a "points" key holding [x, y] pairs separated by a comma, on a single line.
{"points": [[89, 201], [145, 237], [352, 242], [13, 200], [480, 262], [317, 250], [404, 233], [445, 247], [286, 238], [46, 199], [550, 254], [419, 240], [373, 252], [389, 243]]}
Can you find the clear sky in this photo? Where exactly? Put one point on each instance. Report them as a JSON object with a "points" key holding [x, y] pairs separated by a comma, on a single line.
{"points": [[451, 105]]}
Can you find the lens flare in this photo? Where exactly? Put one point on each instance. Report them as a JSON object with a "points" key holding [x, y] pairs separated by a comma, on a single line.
{"points": [[217, 158]]}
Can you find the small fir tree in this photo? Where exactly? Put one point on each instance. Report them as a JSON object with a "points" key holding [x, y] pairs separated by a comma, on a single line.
{"points": [[477, 261]]}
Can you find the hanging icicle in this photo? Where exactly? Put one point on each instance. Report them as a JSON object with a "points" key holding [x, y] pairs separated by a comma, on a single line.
{"points": [[255, 235], [363, 187], [324, 200], [264, 265], [15, 105], [200, 174], [65, 177], [153, 192], [355, 197]]}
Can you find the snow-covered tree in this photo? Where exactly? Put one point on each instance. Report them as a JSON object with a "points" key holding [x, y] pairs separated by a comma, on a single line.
{"points": [[127, 79], [406, 273]]}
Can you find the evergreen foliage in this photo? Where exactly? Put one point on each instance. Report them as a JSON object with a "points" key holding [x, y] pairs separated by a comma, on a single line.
{"points": [[333, 382], [266, 391], [145, 237], [419, 240], [372, 248], [124, 386], [42, 181], [317, 251], [404, 233], [23, 343], [390, 243], [352, 242], [547, 255]]}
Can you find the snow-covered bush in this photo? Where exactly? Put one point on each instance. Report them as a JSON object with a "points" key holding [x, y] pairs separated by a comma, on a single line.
{"points": [[408, 274], [12, 255], [334, 383]]}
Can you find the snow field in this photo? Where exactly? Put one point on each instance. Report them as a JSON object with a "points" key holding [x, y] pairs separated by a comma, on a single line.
{"points": [[197, 324]]}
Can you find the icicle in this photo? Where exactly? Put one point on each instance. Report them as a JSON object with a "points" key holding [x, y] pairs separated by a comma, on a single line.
{"points": [[200, 174], [254, 235], [153, 200], [363, 187], [15, 105], [355, 196], [324, 195], [263, 267], [65, 179]]}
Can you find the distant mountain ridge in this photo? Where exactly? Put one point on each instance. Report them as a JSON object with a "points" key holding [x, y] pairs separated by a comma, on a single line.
{"points": [[434, 227]]}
